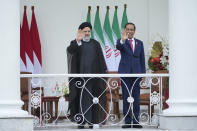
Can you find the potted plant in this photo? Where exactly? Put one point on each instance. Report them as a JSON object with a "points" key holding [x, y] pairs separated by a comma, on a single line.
{"points": [[159, 53], [158, 61], [65, 91]]}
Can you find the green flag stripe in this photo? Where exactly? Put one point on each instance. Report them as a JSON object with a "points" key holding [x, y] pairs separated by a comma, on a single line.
{"points": [[97, 27], [124, 19], [88, 17], [115, 25]]}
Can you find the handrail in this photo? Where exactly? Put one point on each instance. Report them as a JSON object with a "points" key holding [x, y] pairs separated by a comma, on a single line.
{"points": [[94, 75]]}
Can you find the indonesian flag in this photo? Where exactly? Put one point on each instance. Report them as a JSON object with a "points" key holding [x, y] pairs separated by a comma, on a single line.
{"points": [[22, 53], [36, 45], [27, 43]]}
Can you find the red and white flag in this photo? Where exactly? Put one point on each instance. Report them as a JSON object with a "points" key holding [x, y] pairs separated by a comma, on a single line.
{"points": [[22, 53], [28, 44], [36, 45]]}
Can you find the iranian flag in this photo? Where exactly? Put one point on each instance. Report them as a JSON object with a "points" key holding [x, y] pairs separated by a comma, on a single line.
{"points": [[88, 19], [116, 36], [124, 17], [36, 45], [98, 33], [109, 43], [27, 43]]}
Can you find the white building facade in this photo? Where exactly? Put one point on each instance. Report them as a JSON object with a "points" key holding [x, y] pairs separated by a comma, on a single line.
{"points": [[182, 35]]}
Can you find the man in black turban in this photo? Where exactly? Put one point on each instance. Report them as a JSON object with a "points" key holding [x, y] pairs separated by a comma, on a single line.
{"points": [[85, 57], [85, 24]]}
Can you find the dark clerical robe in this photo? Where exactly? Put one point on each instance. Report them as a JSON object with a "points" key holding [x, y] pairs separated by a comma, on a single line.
{"points": [[84, 59]]}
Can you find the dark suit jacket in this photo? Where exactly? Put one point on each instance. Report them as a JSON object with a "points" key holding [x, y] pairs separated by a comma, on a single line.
{"points": [[131, 62]]}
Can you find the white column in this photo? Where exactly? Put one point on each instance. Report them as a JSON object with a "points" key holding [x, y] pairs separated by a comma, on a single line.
{"points": [[183, 63], [10, 103]]}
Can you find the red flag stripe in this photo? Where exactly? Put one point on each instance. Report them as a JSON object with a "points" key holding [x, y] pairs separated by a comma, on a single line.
{"points": [[35, 37], [27, 37]]}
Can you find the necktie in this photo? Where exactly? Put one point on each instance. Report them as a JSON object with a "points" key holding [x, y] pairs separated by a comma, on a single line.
{"points": [[131, 45]]}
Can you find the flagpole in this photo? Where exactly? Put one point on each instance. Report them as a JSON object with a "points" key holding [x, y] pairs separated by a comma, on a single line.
{"points": [[125, 6], [107, 8], [89, 9], [97, 8], [32, 8]]}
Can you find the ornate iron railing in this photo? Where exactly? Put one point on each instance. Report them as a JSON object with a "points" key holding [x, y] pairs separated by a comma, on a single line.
{"points": [[49, 107]]}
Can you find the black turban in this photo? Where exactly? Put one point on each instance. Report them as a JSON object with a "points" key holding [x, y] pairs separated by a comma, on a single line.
{"points": [[85, 24]]}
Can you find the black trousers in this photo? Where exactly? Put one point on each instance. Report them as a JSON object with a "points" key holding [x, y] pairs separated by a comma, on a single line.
{"points": [[130, 86]]}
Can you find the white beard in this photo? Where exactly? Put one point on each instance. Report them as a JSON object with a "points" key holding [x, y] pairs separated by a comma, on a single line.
{"points": [[86, 38]]}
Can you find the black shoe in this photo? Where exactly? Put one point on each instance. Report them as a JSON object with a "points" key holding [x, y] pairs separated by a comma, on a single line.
{"points": [[80, 127], [137, 126], [91, 126], [126, 126]]}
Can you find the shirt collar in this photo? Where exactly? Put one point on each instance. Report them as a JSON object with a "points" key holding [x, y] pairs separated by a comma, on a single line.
{"points": [[132, 39]]}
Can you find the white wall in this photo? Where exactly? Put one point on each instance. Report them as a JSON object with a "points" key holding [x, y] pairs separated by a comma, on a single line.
{"points": [[58, 21], [158, 17]]}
